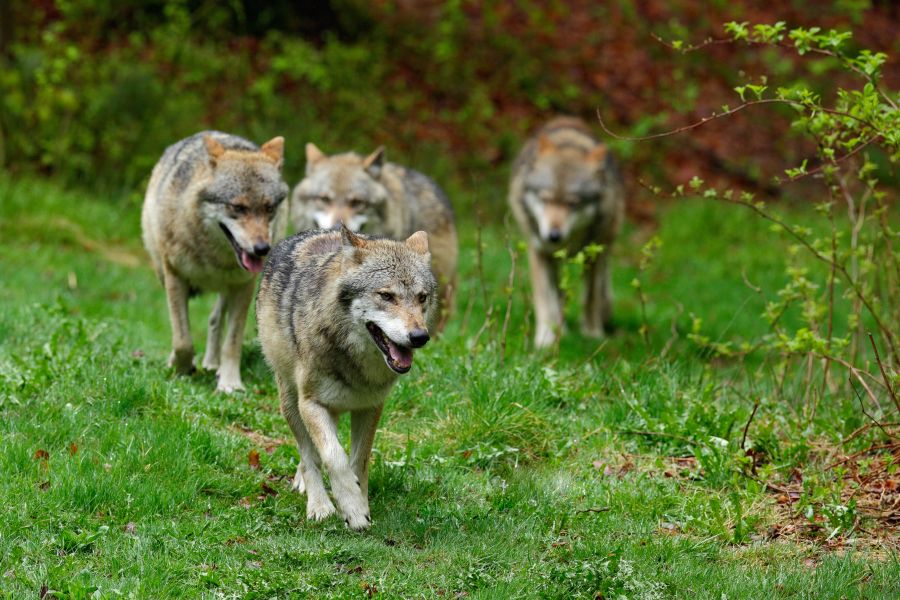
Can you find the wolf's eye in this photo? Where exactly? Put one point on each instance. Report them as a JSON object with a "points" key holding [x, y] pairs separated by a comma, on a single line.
{"points": [[422, 298], [386, 296], [238, 209], [357, 203], [323, 200]]}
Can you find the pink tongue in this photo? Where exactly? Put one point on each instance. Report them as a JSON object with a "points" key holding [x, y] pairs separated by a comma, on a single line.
{"points": [[402, 357], [254, 264]]}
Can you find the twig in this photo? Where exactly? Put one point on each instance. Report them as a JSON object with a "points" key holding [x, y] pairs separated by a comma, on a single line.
{"points": [[887, 381], [780, 44], [673, 332], [594, 509], [860, 430], [727, 113], [750, 420], [860, 453], [863, 408], [815, 252]]}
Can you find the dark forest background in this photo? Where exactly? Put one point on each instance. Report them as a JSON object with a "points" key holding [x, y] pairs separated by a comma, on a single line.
{"points": [[92, 91]]}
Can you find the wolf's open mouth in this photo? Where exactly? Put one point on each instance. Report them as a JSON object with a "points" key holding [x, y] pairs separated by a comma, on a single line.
{"points": [[398, 358], [248, 262]]}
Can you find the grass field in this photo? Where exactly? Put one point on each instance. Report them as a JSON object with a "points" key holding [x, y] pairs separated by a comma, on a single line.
{"points": [[589, 471]]}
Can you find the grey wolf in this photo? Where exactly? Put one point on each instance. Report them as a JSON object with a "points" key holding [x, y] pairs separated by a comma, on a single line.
{"points": [[209, 217], [380, 198], [339, 316], [566, 193]]}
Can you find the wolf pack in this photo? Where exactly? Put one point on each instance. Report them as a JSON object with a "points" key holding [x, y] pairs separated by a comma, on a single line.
{"points": [[367, 278]]}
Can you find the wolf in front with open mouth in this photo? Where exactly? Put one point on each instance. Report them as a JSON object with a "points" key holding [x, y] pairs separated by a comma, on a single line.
{"points": [[339, 318], [213, 207]]}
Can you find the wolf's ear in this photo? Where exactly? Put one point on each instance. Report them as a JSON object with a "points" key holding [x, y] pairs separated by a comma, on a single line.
{"points": [[418, 242], [313, 155], [274, 149], [374, 162], [598, 153], [545, 145], [213, 148], [351, 240]]}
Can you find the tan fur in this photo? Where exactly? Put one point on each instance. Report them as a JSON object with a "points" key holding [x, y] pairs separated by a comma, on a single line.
{"points": [[182, 232], [565, 193], [411, 202], [320, 293]]}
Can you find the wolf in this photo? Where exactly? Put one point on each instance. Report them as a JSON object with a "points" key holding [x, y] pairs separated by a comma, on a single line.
{"points": [[375, 197], [213, 207], [565, 193], [339, 316]]}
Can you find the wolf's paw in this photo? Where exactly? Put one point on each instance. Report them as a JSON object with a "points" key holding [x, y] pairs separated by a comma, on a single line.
{"points": [[355, 509], [210, 363], [319, 508], [182, 361], [230, 388], [359, 520], [229, 383]]}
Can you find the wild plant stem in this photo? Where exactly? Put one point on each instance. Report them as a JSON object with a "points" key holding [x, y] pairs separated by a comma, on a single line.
{"points": [[887, 381]]}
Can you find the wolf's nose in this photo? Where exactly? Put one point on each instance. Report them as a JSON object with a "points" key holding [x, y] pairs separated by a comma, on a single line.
{"points": [[555, 235], [261, 249], [418, 338]]}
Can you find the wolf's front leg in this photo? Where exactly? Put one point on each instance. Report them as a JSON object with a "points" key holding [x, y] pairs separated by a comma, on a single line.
{"points": [[214, 336], [597, 318], [237, 302], [308, 478], [345, 487], [362, 434], [545, 290], [182, 357]]}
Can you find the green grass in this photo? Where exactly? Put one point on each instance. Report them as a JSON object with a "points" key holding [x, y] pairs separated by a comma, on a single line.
{"points": [[486, 469]]}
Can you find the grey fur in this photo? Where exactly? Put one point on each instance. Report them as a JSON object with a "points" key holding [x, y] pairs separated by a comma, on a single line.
{"points": [[213, 206], [381, 198], [320, 293], [566, 193]]}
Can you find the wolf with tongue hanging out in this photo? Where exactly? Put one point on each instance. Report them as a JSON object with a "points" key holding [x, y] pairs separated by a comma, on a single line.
{"points": [[339, 317], [213, 208]]}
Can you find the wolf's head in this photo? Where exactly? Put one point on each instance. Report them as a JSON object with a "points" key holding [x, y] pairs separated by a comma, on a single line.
{"points": [[564, 188], [390, 294], [243, 197], [344, 188]]}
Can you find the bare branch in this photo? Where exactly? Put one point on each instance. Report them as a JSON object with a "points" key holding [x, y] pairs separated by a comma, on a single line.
{"points": [[887, 381]]}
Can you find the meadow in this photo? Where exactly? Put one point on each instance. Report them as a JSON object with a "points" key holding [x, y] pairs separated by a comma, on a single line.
{"points": [[643, 466]]}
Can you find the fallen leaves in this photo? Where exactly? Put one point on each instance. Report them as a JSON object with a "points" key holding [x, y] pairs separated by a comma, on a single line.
{"points": [[253, 459]]}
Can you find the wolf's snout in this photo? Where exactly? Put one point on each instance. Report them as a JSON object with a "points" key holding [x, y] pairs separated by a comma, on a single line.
{"points": [[261, 249], [418, 338], [554, 235]]}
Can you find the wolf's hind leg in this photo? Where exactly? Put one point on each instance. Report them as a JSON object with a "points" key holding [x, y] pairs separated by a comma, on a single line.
{"points": [[214, 336], [345, 487], [597, 318], [182, 357], [362, 434], [237, 302], [545, 290], [308, 477]]}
